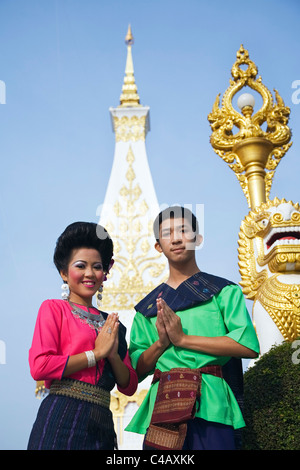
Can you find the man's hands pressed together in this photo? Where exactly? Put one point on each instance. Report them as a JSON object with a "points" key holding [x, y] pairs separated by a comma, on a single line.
{"points": [[168, 323], [169, 329]]}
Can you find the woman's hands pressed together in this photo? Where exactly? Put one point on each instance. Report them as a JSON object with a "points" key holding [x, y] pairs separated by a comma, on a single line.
{"points": [[107, 341], [106, 346]]}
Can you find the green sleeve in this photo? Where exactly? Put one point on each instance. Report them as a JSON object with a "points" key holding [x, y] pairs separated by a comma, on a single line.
{"points": [[143, 334], [236, 317]]}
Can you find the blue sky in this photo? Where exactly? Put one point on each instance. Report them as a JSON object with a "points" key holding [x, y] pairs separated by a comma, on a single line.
{"points": [[62, 63]]}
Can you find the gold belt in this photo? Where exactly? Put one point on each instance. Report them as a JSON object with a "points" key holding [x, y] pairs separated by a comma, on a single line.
{"points": [[81, 390]]}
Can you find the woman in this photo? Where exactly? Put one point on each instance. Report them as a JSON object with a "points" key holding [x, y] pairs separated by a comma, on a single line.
{"points": [[80, 352]]}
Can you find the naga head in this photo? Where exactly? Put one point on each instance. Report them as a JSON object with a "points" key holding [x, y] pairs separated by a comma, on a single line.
{"points": [[269, 242]]}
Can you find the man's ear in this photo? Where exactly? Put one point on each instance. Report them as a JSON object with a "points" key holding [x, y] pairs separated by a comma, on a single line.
{"points": [[158, 247], [199, 240]]}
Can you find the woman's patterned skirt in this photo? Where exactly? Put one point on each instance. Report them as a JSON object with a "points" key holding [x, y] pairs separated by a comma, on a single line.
{"points": [[65, 423]]}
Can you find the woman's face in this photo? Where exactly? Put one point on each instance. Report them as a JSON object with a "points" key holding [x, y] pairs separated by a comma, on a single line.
{"points": [[85, 275]]}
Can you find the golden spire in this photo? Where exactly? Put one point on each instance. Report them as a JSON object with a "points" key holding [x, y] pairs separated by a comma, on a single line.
{"points": [[129, 96]]}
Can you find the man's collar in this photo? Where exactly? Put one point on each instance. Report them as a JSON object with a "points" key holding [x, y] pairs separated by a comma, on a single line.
{"points": [[195, 290]]}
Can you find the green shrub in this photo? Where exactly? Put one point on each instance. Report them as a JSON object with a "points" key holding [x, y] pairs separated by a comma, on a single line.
{"points": [[272, 401]]}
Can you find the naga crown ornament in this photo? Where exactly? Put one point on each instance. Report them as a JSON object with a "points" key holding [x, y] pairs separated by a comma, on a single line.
{"points": [[252, 153]]}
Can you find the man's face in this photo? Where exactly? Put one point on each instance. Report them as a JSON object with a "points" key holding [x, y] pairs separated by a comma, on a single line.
{"points": [[177, 240]]}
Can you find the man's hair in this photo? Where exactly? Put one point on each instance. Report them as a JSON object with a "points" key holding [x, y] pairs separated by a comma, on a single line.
{"points": [[175, 212]]}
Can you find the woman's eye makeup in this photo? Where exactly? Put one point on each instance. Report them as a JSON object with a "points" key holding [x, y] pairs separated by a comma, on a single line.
{"points": [[98, 266], [79, 264], [82, 265]]}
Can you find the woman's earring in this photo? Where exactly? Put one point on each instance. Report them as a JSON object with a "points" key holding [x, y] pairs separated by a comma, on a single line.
{"points": [[99, 295], [64, 291]]}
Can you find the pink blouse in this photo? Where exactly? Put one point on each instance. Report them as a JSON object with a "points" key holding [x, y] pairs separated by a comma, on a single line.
{"points": [[59, 334]]}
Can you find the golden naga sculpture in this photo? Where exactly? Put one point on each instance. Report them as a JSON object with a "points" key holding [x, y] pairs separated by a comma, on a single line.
{"points": [[269, 261], [269, 238]]}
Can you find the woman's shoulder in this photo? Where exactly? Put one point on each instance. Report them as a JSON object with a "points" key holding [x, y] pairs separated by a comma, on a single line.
{"points": [[53, 305], [58, 302]]}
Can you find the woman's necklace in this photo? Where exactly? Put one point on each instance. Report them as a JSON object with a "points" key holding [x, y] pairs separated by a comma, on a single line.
{"points": [[94, 320]]}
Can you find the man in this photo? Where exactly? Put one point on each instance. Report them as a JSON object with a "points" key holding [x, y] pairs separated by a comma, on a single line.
{"points": [[184, 332]]}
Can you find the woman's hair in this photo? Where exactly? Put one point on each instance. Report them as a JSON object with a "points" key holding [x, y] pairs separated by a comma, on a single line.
{"points": [[82, 235]]}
